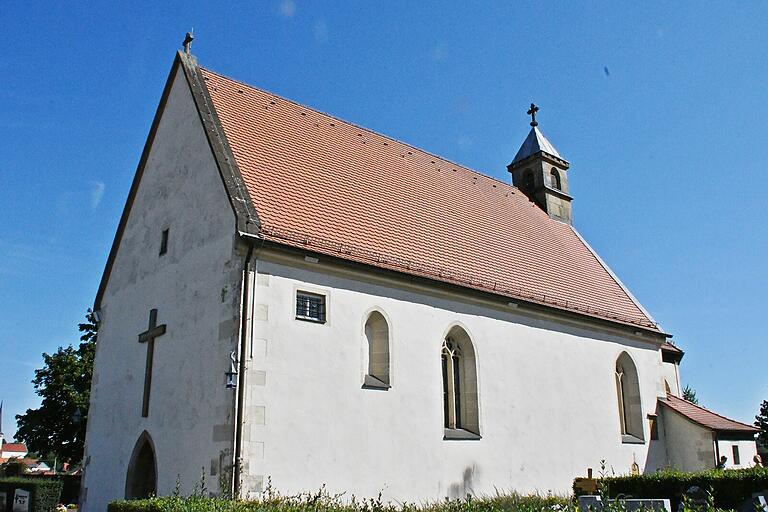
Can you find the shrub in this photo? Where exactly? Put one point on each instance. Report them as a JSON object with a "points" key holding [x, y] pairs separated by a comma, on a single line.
{"points": [[323, 502], [44, 493], [729, 488]]}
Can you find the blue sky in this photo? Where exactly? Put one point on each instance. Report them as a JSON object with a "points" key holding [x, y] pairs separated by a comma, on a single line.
{"points": [[659, 107]]}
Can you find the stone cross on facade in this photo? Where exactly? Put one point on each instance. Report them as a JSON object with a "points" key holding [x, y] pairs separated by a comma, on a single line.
{"points": [[532, 112], [148, 337]]}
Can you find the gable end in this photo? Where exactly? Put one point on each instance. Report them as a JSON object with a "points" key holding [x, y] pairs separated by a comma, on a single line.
{"points": [[246, 217]]}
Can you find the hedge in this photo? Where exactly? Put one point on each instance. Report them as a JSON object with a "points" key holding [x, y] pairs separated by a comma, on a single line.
{"points": [[44, 494], [730, 488], [322, 502]]}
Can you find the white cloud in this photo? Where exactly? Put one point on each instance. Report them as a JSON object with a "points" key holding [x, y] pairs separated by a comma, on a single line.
{"points": [[97, 192], [320, 30], [288, 8]]}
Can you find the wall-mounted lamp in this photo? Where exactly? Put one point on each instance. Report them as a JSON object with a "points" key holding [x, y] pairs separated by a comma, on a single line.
{"points": [[232, 373]]}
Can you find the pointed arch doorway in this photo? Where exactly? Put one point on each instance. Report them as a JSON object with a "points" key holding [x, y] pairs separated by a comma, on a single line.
{"points": [[141, 479]]}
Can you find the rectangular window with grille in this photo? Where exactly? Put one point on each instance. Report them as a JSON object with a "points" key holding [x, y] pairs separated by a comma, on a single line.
{"points": [[736, 458], [310, 306]]}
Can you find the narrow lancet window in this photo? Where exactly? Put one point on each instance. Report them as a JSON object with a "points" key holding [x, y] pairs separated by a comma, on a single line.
{"points": [[377, 338], [628, 396], [460, 402]]}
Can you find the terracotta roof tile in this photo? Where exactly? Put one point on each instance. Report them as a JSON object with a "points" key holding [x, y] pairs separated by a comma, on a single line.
{"points": [[14, 447], [335, 188], [705, 417]]}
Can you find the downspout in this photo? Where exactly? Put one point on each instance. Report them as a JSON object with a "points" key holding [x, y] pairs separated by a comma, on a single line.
{"points": [[717, 449], [240, 390]]}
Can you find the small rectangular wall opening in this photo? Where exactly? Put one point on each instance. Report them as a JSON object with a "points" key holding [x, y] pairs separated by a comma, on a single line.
{"points": [[164, 242], [310, 306]]}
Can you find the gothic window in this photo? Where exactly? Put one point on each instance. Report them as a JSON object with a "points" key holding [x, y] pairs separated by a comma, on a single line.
{"points": [[555, 179], [528, 182], [377, 338], [310, 306], [460, 402], [628, 394]]}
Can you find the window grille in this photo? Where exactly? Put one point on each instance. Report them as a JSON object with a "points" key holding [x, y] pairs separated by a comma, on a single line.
{"points": [[310, 306], [736, 458]]}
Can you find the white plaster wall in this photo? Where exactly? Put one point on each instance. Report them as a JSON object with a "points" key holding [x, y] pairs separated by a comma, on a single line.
{"points": [[195, 288], [548, 406], [747, 452], [671, 373], [690, 447]]}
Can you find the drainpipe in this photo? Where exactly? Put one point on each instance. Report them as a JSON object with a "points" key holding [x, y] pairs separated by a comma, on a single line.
{"points": [[240, 391], [717, 449]]}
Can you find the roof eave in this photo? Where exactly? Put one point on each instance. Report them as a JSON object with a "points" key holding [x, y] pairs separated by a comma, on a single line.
{"points": [[548, 157], [747, 429], [635, 329]]}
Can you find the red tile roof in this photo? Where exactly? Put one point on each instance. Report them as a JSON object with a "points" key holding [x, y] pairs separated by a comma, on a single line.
{"points": [[332, 187], [705, 417], [14, 447]]}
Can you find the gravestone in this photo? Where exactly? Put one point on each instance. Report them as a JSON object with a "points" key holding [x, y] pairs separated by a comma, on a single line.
{"points": [[21, 500], [757, 503], [595, 504]]}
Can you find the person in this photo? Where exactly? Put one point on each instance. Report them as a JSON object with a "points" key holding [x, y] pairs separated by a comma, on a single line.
{"points": [[721, 464], [758, 461]]}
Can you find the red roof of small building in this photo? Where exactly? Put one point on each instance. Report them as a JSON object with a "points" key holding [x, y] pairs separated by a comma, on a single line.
{"points": [[705, 417], [14, 447], [331, 187]]}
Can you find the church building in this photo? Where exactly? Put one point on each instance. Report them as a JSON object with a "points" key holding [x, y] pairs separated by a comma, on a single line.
{"points": [[296, 299]]}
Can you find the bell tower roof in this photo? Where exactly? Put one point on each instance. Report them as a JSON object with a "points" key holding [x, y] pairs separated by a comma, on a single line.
{"points": [[535, 142]]}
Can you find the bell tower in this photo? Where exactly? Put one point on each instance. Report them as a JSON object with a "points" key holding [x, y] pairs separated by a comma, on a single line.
{"points": [[542, 174]]}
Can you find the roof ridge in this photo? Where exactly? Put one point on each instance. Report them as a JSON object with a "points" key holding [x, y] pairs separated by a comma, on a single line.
{"points": [[369, 130], [708, 410]]}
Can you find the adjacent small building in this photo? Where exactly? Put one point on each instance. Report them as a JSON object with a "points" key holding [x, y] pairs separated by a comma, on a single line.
{"points": [[12, 450], [697, 438]]}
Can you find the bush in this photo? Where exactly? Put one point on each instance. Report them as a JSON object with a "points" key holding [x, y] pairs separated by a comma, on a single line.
{"points": [[44, 493], [729, 488], [323, 502]]}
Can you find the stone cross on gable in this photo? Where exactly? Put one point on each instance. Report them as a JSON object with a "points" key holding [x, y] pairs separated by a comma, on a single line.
{"points": [[148, 337]]}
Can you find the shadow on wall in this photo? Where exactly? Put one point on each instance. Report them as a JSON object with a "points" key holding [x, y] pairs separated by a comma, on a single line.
{"points": [[656, 457], [459, 490]]}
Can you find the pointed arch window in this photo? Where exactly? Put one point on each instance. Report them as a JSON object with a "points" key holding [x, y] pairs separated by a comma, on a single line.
{"points": [[377, 339], [460, 402], [628, 396], [555, 179]]}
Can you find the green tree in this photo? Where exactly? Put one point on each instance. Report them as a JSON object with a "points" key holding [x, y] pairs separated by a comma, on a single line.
{"points": [[690, 394], [57, 427], [761, 422]]}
